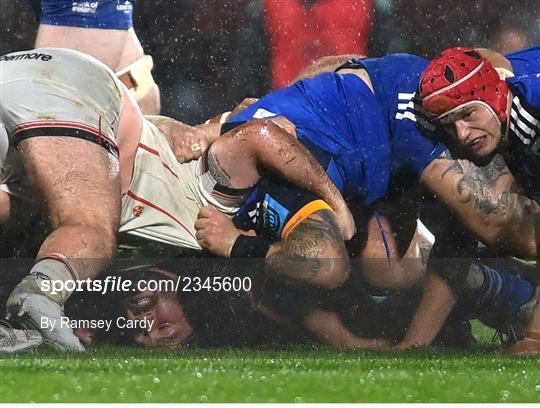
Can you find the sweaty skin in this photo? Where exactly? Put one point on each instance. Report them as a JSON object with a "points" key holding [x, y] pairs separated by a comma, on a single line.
{"points": [[267, 143], [487, 202]]}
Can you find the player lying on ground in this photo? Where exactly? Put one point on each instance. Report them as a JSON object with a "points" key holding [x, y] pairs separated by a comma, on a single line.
{"points": [[338, 317], [137, 212], [346, 317], [488, 104], [381, 245], [104, 30], [68, 138], [205, 318]]}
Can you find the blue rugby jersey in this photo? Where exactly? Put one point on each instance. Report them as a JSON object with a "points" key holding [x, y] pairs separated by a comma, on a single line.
{"points": [[522, 154], [362, 139]]}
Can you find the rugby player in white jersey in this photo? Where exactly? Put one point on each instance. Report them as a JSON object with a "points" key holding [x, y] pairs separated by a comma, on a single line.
{"points": [[99, 167]]}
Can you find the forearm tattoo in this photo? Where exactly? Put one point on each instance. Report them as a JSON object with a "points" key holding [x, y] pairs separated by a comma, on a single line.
{"points": [[486, 188], [305, 253]]}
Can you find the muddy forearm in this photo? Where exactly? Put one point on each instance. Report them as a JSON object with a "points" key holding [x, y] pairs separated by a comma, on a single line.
{"points": [[436, 304]]}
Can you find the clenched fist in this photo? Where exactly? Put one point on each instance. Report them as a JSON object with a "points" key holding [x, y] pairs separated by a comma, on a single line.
{"points": [[215, 231]]}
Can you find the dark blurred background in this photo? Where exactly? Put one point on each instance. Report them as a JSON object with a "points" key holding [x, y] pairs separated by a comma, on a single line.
{"points": [[210, 54]]}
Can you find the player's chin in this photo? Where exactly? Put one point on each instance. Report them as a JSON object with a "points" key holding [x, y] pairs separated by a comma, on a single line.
{"points": [[172, 338], [482, 154], [486, 151]]}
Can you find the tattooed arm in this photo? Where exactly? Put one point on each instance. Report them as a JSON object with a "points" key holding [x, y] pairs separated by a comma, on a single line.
{"points": [[237, 157], [313, 253], [486, 200]]}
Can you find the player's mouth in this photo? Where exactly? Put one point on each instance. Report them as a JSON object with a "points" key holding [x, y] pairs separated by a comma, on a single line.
{"points": [[141, 302], [478, 143]]}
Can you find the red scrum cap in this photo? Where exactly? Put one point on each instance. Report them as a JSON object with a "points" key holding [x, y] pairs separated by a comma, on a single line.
{"points": [[458, 77]]}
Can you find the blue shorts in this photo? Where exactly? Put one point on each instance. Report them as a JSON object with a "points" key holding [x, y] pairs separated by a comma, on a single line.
{"points": [[107, 14]]}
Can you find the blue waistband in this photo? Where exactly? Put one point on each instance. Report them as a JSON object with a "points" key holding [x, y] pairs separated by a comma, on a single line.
{"points": [[106, 14]]}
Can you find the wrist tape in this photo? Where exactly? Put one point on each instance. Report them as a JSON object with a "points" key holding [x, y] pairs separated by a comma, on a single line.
{"points": [[250, 247]]}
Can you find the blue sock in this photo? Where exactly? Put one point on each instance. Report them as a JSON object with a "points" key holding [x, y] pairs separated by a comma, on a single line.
{"points": [[503, 289]]}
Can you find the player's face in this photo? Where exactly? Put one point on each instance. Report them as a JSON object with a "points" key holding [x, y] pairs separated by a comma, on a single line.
{"points": [[170, 327], [475, 127]]}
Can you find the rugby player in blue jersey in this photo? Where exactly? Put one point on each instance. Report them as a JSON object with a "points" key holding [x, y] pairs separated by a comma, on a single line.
{"points": [[366, 131], [487, 108]]}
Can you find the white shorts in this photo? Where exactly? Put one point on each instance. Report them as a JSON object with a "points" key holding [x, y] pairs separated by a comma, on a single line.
{"points": [[163, 199], [58, 92], [62, 92]]}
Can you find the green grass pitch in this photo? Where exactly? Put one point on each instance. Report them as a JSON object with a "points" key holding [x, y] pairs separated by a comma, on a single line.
{"points": [[295, 374]]}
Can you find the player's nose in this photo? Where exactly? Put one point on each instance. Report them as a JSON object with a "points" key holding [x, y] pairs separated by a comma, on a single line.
{"points": [[463, 131]]}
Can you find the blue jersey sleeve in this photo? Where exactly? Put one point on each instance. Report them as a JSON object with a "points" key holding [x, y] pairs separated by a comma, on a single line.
{"points": [[276, 208], [528, 86], [525, 62], [415, 143], [414, 151]]}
